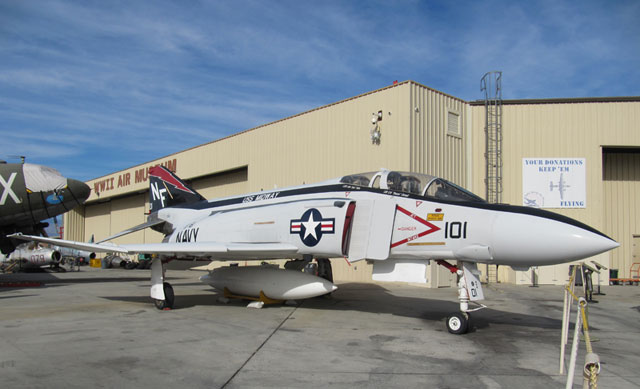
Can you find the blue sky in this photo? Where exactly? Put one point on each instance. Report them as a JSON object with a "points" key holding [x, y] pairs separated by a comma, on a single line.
{"points": [[94, 87]]}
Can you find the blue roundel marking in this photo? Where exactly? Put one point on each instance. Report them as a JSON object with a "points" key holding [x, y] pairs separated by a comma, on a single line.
{"points": [[311, 226], [54, 199]]}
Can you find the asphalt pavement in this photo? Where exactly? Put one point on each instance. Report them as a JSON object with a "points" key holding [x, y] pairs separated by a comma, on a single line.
{"points": [[98, 328]]}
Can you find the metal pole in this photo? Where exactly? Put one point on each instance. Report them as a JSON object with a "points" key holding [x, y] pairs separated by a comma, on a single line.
{"points": [[574, 352], [563, 339], [534, 279]]}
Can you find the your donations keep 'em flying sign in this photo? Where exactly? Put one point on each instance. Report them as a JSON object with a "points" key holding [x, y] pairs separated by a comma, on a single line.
{"points": [[554, 182]]}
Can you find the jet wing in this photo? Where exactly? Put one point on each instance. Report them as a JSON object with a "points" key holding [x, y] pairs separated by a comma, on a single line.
{"points": [[96, 247], [215, 250], [205, 250]]}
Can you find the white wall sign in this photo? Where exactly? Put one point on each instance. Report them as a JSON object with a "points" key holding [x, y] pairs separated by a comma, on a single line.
{"points": [[554, 182]]}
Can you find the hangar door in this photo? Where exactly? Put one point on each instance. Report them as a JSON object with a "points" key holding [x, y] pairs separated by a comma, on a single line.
{"points": [[621, 177]]}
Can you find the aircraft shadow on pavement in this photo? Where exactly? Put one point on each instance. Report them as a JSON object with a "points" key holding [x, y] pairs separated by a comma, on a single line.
{"points": [[374, 298], [371, 298], [182, 301], [16, 281], [52, 281], [17, 296]]}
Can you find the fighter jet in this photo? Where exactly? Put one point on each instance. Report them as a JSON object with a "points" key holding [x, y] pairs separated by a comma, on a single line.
{"points": [[31, 193], [33, 256], [377, 216]]}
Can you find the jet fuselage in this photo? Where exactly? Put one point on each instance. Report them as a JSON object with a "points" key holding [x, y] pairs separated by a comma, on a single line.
{"points": [[361, 222]]}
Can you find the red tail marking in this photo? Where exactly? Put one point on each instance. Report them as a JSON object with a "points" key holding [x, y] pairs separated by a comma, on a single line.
{"points": [[165, 176]]}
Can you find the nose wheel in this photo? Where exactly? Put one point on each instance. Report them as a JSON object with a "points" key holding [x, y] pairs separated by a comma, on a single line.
{"points": [[458, 323], [469, 291]]}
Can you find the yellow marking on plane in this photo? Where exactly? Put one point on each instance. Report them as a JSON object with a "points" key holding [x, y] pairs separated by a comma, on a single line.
{"points": [[426, 244]]}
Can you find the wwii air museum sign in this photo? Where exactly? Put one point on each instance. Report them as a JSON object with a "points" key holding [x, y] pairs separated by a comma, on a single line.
{"points": [[554, 182]]}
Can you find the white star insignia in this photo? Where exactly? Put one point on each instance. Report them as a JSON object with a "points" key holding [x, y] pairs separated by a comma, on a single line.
{"points": [[310, 227]]}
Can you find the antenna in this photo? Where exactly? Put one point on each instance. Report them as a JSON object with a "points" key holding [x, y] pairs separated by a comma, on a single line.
{"points": [[22, 157]]}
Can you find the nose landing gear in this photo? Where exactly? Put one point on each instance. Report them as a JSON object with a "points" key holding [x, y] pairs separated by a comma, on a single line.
{"points": [[469, 290], [458, 323]]}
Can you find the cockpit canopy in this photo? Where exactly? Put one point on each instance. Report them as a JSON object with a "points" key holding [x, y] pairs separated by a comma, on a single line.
{"points": [[414, 183], [38, 178]]}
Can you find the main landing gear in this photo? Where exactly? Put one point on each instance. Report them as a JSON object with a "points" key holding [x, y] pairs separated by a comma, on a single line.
{"points": [[469, 290], [322, 268], [169, 297], [161, 292]]}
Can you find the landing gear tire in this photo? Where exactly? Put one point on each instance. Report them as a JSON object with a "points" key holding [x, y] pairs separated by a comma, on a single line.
{"points": [[167, 303], [458, 323], [324, 269]]}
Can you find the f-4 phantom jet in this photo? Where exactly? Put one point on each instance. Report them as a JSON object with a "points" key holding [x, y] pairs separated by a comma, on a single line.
{"points": [[377, 216]]}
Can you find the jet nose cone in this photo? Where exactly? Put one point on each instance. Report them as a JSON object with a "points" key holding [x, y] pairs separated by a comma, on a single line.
{"points": [[536, 241], [79, 189], [586, 243]]}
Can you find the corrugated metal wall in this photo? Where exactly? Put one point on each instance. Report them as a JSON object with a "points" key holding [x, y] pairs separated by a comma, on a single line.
{"points": [[433, 150], [98, 220], [563, 130], [622, 211], [73, 223], [222, 185]]}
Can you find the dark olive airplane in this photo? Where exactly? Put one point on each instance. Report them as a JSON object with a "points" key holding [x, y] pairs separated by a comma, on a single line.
{"points": [[32, 193]]}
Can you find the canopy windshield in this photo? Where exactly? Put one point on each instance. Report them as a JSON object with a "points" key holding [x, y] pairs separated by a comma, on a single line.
{"points": [[446, 190], [414, 183], [38, 178]]}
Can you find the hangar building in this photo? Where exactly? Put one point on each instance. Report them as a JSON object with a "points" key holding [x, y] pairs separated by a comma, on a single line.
{"points": [[586, 147]]}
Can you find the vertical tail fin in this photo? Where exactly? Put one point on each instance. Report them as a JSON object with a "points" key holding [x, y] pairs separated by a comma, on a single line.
{"points": [[167, 190]]}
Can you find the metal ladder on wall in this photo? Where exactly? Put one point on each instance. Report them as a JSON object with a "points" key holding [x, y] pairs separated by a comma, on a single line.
{"points": [[491, 85]]}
